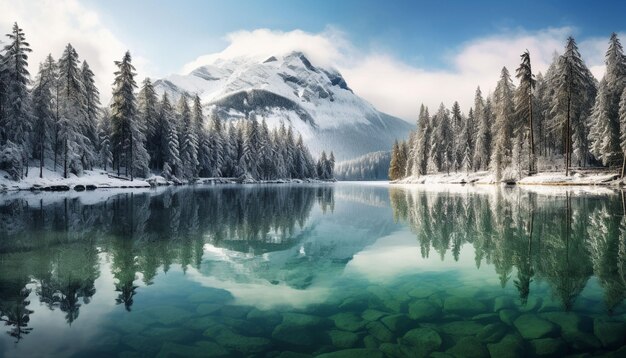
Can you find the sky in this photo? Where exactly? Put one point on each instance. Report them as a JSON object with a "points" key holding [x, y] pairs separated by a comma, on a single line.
{"points": [[395, 54]]}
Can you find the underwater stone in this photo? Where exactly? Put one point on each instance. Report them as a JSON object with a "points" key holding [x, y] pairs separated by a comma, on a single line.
{"points": [[270, 317], [234, 311], [493, 332], [531, 305], [167, 315], [371, 342], [201, 349], [393, 350], [354, 304], [424, 340], [423, 310], [581, 340], [461, 328], [354, 353], [207, 308], [503, 302], [569, 322], [463, 306], [398, 323], [422, 292], [210, 295], [372, 315], [469, 347], [348, 321], [531, 326], [611, 334], [244, 344], [486, 317], [548, 347], [289, 354], [343, 339], [379, 331], [511, 346], [508, 316]]}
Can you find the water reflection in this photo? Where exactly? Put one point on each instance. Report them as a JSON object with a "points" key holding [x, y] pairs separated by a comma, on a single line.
{"points": [[562, 239]]}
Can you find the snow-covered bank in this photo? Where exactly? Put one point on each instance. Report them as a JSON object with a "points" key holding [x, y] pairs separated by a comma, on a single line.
{"points": [[99, 179], [576, 177]]}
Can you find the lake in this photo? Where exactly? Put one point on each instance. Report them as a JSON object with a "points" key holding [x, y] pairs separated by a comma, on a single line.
{"points": [[361, 269]]}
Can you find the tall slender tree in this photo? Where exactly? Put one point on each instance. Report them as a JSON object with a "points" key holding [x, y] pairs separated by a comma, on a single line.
{"points": [[524, 105]]}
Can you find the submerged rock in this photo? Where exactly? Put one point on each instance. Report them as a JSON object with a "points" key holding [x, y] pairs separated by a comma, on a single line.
{"points": [[343, 339], [207, 308], [469, 347], [510, 346], [372, 315], [244, 344], [461, 328], [493, 332], [201, 349], [353, 353], [379, 331], [548, 347], [423, 310], [167, 315], [422, 340], [463, 306], [348, 321], [398, 323], [423, 292], [503, 302], [610, 333], [508, 316], [531, 326]]}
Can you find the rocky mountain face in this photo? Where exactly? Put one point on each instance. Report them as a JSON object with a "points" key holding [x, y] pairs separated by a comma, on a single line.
{"points": [[317, 102]]}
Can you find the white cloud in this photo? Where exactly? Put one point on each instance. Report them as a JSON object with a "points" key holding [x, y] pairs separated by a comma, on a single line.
{"points": [[397, 87], [50, 24]]}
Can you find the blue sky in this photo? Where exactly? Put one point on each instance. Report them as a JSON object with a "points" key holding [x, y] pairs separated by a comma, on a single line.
{"points": [[417, 32], [395, 54]]}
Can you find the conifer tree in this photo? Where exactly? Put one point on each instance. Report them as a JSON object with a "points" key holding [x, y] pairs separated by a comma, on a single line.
{"points": [[422, 142], [202, 137], [92, 112], [482, 148], [503, 145], [622, 121], [456, 128], [171, 155], [524, 106], [17, 122], [71, 112], [149, 117], [188, 140], [105, 154], [43, 111]]}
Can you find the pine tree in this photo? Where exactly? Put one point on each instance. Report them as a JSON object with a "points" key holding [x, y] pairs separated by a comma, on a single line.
{"points": [[171, 155], [482, 149], [456, 128], [251, 143], [128, 132], [105, 154], [149, 117], [503, 145], [92, 112], [574, 90], [524, 106], [422, 142], [17, 122], [188, 140], [71, 112], [605, 129], [441, 146], [465, 143], [204, 148], [218, 147], [622, 121], [43, 110]]}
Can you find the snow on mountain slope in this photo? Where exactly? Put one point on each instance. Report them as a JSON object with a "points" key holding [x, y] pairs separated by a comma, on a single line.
{"points": [[316, 101]]}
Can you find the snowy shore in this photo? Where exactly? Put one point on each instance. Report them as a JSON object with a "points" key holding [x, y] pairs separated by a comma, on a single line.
{"points": [[576, 177], [99, 179]]}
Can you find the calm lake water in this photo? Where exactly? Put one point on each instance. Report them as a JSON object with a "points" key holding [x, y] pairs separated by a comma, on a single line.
{"points": [[363, 270]]}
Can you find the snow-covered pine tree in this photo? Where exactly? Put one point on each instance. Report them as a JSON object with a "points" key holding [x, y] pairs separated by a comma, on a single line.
{"points": [[148, 104], [280, 167], [605, 123], [289, 152], [465, 143], [202, 136], [441, 146], [17, 122], [105, 156], [622, 120], [188, 140], [266, 167], [43, 111], [251, 146], [170, 154], [331, 161], [482, 148], [92, 112], [218, 146], [504, 111], [456, 125], [422, 142], [128, 132], [72, 113], [575, 89], [412, 143], [524, 108]]}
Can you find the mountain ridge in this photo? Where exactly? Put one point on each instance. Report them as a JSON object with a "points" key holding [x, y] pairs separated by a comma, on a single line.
{"points": [[317, 101]]}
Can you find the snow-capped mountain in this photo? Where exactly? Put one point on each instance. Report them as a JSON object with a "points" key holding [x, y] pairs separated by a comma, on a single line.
{"points": [[316, 101]]}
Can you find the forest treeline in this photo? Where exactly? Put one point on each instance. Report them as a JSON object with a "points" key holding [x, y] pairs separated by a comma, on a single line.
{"points": [[58, 122], [563, 116]]}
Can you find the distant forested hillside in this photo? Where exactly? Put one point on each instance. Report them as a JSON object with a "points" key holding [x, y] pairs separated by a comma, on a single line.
{"points": [[371, 166]]}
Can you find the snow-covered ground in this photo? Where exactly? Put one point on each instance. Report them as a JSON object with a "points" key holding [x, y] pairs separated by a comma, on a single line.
{"points": [[99, 179], [582, 177]]}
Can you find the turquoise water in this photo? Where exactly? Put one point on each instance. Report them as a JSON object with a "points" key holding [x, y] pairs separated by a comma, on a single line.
{"points": [[293, 271]]}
